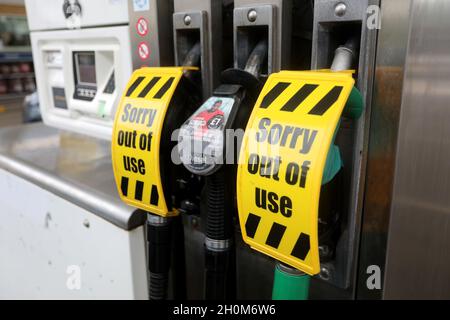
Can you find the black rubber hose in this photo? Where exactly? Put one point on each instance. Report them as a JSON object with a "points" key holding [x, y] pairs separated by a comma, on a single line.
{"points": [[220, 274], [219, 222], [159, 251], [158, 286], [220, 265], [178, 262]]}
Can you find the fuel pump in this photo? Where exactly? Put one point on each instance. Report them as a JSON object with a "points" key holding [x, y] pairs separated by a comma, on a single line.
{"points": [[155, 103], [203, 146], [288, 156], [291, 283]]}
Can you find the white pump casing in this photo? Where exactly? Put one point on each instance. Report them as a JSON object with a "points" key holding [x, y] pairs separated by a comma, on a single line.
{"points": [[66, 101]]}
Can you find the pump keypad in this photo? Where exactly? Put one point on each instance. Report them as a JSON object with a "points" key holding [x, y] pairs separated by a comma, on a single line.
{"points": [[85, 93]]}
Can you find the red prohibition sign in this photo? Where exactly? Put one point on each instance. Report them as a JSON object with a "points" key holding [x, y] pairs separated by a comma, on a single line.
{"points": [[143, 51], [142, 27]]}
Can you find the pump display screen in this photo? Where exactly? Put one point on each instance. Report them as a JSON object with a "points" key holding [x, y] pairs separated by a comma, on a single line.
{"points": [[85, 68]]}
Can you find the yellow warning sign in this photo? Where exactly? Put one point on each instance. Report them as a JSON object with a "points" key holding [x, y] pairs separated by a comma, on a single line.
{"points": [[137, 136], [281, 163]]}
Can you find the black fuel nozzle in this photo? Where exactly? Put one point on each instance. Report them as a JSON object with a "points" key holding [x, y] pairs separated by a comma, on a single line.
{"points": [[228, 108], [166, 235], [187, 185], [220, 259]]}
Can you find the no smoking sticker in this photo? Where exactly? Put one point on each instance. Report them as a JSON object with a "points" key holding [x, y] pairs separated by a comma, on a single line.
{"points": [[142, 27], [143, 51]]}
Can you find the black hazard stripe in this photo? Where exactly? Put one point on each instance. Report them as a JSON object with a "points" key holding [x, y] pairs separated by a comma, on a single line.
{"points": [[134, 85], [154, 196], [124, 186], [251, 225], [302, 246], [139, 190], [149, 87], [275, 235], [274, 93], [294, 102], [164, 88], [327, 101]]}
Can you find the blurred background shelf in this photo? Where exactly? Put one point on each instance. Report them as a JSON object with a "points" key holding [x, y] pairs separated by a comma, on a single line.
{"points": [[12, 96], [13, 55], [16, 62]]}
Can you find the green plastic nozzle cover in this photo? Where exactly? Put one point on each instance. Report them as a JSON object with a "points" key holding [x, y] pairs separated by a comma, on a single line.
{"points": [[288, 286]]}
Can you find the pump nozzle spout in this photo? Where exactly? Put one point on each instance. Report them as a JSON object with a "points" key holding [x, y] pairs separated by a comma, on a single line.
{"points": [[192, 58], [256, 59], [345, 55]]}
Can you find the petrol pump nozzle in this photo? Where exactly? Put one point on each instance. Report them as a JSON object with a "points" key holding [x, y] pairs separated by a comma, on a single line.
{"points": [[155, 103], [165, 235], [228, 108]]}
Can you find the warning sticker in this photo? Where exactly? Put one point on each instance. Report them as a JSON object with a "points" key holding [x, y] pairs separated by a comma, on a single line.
{"points": [[282, 159], [143, 51], [142, 27], [136, 138]]}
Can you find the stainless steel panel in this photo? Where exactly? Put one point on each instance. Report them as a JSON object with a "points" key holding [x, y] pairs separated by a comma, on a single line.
{"points": [[74, 167], [418, 255], [386, 100]]}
